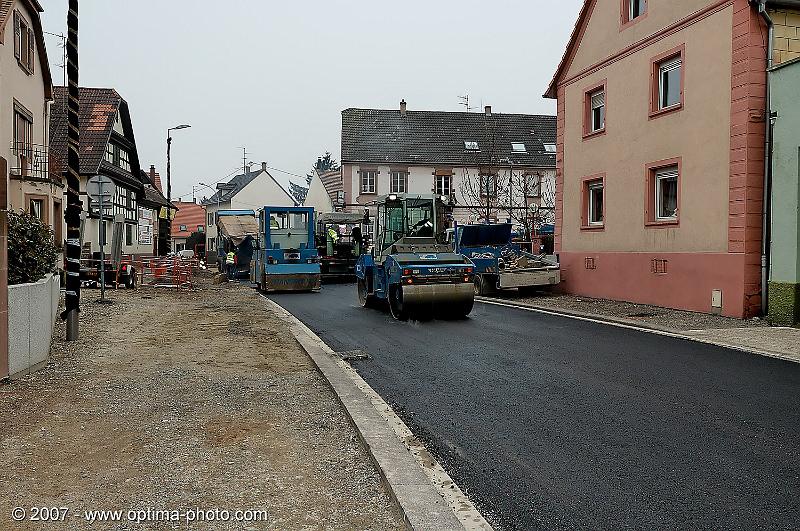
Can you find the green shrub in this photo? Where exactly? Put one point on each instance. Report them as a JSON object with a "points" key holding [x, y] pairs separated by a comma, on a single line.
{"points": [[31, 250]]}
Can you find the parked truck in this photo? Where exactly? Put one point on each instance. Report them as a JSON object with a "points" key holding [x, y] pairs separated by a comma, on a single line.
{"points": [[285, 257], [500, 263], [410, 265]]}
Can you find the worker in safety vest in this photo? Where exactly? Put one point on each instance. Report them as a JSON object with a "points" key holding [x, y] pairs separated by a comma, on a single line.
{"points": [[333, 238], [230, 261]]}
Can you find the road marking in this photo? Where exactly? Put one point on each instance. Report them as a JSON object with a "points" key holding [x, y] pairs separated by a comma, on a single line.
{"points": [[463, 509], [748, 350]]}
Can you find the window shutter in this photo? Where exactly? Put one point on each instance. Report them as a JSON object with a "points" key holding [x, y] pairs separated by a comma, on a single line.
{"points": [[31, 50], [16, 35]]}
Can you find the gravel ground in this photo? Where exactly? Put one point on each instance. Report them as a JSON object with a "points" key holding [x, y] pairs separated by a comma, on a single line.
{"points": [[655, 316], [182, 400]]}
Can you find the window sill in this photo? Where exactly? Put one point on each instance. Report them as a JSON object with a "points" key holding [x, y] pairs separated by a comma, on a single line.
{"points": [[655, 113], [594, 228], [25, 68], [592, 134], [661, 223], [368, 193], [625, 24]]}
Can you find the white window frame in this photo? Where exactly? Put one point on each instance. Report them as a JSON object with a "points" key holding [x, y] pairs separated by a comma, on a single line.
{"points": [[665, 67], [670, 172], [549, 147], [396, 179], [484, 186], [595, 106], [471, 145], [631, 9], [591, 189], [440, 182], [367, 180], [533, 185], [518, 147]]}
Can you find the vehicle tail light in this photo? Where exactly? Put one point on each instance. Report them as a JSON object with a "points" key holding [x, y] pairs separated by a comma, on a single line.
{"points": [[406, 272], [409, 281]]}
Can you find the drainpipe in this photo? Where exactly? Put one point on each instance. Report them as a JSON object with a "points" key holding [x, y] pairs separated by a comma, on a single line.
{"points": [[765, 229]]}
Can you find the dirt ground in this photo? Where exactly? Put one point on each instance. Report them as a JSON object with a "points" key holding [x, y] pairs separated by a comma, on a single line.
{"points": [[179, 401]]}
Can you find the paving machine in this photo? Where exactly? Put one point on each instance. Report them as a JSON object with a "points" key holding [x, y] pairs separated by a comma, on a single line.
{"points": [[410, 265], [285, 258], [340, 241]]}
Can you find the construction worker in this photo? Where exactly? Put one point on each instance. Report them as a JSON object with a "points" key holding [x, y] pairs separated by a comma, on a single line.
{"points": [[230, 261], [333, 239]]}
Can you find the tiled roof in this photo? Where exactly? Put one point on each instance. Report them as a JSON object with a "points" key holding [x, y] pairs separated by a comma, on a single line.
{"points": [[437, 137], [189, 214], [332, 181], [152, 195], [5, 11], [98, 108]]}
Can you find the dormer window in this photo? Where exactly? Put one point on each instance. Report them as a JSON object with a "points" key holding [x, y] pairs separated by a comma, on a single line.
{"points": [[550, 148], [518, 147], [471, 145]]}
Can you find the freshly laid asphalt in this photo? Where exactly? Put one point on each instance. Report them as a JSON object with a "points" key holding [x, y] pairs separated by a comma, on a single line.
{"points": [[548, 422]]}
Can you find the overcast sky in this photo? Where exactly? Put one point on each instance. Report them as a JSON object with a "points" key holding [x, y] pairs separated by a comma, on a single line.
{"points": [[274, 76]]}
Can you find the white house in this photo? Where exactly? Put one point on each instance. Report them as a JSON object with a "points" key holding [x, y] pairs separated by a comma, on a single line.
{"points": [[326, 192], [490, 166], [248, 191]]}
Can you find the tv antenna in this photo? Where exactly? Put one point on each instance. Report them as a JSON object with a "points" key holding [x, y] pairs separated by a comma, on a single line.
{"points": [[465, 102]]}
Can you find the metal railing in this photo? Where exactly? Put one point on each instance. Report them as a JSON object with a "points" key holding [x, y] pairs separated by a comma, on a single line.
{"points": [[30, 161]]}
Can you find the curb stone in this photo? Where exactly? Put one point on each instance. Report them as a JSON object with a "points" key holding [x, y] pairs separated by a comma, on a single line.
{"points": [[628, 323], [426, 495]]}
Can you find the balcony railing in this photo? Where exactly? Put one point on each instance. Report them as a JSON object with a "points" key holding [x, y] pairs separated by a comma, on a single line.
{"points": [[31, 161]]}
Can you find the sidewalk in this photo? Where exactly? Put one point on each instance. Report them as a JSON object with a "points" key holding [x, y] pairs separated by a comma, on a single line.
{"points": [[178, 400], [754, 335]]}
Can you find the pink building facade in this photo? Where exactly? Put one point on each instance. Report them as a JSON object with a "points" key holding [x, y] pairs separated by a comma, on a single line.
{"points": [[660, 154]]}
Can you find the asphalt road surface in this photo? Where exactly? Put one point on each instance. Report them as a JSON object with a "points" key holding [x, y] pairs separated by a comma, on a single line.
{"points": [[549, 422]]}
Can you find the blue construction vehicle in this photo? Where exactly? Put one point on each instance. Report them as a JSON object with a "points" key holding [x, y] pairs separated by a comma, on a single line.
{"points": [[500, 262], [410, 266], [285, 258]]}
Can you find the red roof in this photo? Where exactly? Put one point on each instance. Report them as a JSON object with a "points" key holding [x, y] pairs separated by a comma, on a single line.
{"points": [[189, 216]]}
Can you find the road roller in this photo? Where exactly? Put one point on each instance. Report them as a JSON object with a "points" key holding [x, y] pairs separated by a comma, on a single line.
{"points": [[409, 265]]}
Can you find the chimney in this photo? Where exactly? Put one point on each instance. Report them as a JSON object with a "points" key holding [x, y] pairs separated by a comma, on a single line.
{"points": [[402, 107], [263, 166], [152, 173], [488, 110]]}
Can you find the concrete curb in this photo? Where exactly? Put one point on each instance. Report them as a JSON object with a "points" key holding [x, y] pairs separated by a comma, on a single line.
{"points": [[627, 323], [427, 497]]}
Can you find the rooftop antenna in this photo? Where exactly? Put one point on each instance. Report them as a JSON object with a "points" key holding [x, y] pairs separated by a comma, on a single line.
{"points": [[63, 45], [465, 102], [244, 160]]}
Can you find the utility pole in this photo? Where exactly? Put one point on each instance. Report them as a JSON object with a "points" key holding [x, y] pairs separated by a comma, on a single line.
{"points": [[72, 214]]}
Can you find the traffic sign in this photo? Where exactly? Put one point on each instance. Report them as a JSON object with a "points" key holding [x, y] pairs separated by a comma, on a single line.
{"points": [[100, 186]]}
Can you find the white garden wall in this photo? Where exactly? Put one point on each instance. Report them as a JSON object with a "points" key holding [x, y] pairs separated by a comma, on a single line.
{"points": [[32, 310]]}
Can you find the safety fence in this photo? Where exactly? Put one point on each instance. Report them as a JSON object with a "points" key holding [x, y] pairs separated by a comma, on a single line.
{"points": [[147, 271]]}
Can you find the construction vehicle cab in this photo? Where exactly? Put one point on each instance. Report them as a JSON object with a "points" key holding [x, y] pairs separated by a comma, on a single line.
{"points": [[340, 241], [285, 258], [410, 265]]}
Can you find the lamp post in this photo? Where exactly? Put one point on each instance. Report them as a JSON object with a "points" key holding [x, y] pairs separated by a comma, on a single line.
{"points": [[169, 179]]}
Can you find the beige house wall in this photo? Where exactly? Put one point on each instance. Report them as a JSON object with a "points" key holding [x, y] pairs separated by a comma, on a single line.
{"points": [[603, 37], [28, 90], [699, 133], [787, 35]]}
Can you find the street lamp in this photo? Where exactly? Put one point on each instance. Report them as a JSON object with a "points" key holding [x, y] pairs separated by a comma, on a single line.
{"points": [[169, 144], [169, 179]]}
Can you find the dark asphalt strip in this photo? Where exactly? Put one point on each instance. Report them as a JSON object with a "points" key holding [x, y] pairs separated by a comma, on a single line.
{"points": [[550, 422]]}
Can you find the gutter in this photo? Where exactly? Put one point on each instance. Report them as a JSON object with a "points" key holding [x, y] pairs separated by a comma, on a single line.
{"points": [[765, 219], [791, 4]]}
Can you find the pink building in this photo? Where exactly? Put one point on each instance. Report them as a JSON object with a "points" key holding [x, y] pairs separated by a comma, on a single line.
{"points": [[660, 153]]}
